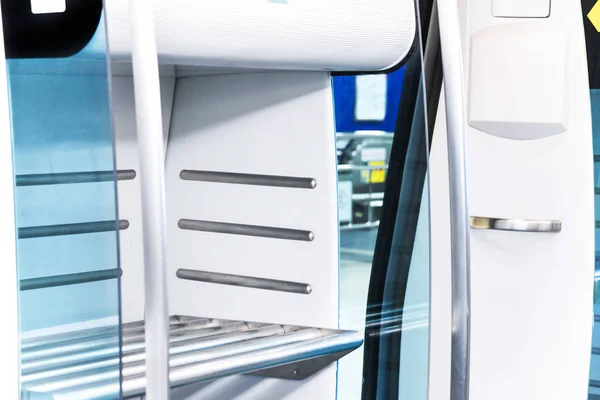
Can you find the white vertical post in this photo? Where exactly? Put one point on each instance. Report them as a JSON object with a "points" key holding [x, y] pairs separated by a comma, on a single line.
{"points": [[451, 46], [10, 343], [152, 176]]}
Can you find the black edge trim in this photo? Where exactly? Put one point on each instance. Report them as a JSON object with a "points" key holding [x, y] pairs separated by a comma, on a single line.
{"points": [[54, 35]]}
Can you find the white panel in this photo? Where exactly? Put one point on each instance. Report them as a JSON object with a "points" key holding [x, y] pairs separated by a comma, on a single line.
{"points": [[440, 322], [519, 80], [314, 35], [268, 123], [521, 8], [131, 251], [531, 297]]}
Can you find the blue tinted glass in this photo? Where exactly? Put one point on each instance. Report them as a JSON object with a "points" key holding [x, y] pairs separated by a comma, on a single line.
{"points": [[66, 211], [594, 389], [390, 304]]}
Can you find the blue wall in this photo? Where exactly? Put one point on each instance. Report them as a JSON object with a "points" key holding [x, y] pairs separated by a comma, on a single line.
{"points": [[344, 95]]}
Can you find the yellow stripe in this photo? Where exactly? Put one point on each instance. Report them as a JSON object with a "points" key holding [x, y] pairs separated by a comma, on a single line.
{"points": [[594, 16]]}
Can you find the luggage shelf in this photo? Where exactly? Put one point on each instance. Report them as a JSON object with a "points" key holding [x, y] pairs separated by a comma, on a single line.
{"points": [[85, 364]]}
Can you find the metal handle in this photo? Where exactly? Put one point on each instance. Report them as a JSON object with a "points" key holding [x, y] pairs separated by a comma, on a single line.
{"points": [[516, 225], [452, 55]]}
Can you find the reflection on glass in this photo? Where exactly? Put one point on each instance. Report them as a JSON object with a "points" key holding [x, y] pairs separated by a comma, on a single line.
{"points": [[594, 388], [399, 319], [66, 213]]}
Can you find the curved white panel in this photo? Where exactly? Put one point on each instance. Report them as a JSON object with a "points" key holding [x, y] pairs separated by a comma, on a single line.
{"points": [[284, 34]]}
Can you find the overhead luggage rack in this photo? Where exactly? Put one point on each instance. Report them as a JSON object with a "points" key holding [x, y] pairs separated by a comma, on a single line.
{"points": [[85, 364]]}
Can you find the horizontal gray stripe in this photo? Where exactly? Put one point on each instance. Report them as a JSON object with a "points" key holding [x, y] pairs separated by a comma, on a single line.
{"points": [[244, 281], [249, 179], [73, 177], [69, 279], [246, 230], [71, 229]]}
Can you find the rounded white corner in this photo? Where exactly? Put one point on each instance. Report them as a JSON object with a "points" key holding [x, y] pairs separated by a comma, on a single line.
{"points": [[408, 48]]}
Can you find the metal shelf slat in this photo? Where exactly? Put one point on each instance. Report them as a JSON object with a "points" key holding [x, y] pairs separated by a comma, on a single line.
{"points": [[199, 352]]}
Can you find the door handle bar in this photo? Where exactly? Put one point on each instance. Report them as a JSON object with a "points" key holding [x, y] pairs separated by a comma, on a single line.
{"points": [[516, 225]]}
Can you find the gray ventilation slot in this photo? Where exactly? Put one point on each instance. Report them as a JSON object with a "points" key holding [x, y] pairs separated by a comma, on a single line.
{"points": [[200, 350], [69, 279], [248, 179], [244, 281], [73, 177], [71, 229], [246, 230]]}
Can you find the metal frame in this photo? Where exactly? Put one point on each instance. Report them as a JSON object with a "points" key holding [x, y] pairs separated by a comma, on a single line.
{"points": [[85, 366], [152, 175], [516, 225], [452, 63]]}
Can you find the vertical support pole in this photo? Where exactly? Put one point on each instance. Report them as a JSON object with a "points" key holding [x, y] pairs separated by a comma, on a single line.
{"points": [[152, 177], [451, 45]]}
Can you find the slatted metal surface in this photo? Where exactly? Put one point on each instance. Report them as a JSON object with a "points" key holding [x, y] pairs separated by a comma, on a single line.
{"points": [[85, 364]]}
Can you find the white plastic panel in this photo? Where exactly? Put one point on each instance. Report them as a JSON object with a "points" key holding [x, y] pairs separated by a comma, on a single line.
{"points": [[531, 294], [519, 81], [295, 34], [265, 123]]}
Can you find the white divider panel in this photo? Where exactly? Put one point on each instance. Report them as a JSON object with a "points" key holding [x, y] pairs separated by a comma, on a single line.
{"points": [[268, 124], [531, 292], [132, 251], [290, 34]]}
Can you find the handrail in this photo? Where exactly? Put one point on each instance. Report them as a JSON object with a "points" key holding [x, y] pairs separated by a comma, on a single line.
{"points": [[451, 46], [516, 225], [152, 176]]}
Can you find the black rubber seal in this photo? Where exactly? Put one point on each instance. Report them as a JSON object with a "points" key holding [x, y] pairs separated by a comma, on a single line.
{"points": [[399, 218]]}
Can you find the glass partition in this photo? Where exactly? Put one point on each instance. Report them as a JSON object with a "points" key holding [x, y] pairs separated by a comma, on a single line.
{"points": [[384, 125], [65, 194], [593, 55]]}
